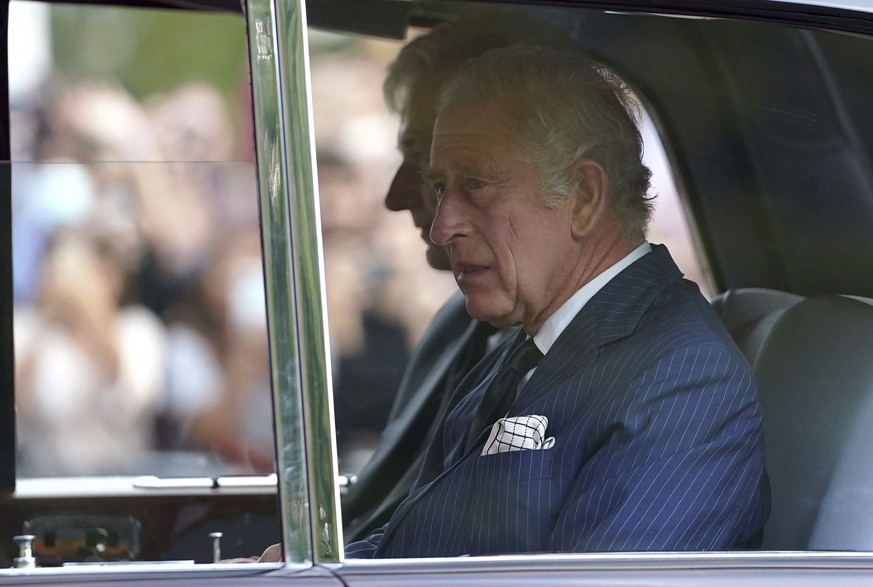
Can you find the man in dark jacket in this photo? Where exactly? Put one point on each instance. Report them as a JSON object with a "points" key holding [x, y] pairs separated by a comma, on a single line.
{"points": [[623, 416]]}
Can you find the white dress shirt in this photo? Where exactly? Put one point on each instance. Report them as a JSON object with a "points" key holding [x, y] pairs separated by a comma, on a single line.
{"points": [[557, 322]]}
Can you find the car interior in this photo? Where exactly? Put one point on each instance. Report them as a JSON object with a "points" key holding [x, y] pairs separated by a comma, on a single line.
{"points": [[766, 123]]}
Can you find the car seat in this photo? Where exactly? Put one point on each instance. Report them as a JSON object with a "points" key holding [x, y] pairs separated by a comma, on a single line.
{"points": [[812, 359]]}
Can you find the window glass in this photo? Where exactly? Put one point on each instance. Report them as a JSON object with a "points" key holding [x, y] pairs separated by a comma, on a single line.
{"points": [[368, 247], [670, 220], [140, 326], [381, 293]]}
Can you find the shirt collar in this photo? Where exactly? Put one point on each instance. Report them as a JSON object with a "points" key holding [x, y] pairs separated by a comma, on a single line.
{"points": [[557, 322]]}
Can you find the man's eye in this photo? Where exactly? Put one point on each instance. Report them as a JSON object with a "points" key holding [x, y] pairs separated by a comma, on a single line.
{"points": [[474, 184], [439, 189]]}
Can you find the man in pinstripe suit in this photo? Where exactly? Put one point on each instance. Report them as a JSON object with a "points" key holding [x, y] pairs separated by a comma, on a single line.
{"points": [[642, 429], [453, 342]]}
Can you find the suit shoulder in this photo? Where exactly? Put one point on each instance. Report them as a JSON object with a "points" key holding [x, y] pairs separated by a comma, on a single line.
{"points": [[681, 315]]}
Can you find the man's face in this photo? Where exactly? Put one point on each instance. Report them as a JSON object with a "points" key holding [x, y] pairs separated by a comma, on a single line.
{"points": [[408, 191], [512, 256]]}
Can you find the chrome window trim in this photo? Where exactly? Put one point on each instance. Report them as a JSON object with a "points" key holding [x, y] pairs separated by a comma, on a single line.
{"points": [[142, 485], [851, 5], [667, 568], [291, 236], [618, 560], [143, 571]]}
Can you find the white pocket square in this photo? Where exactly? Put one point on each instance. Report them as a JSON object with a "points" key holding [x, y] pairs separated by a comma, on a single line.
{"points": [[519, 433]]}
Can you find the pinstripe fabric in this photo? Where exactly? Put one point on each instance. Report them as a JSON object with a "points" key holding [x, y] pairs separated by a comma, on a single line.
{"points": [[387, 477], [658, 440]]}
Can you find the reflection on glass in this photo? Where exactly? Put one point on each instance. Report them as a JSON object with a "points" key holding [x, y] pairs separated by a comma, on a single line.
{"points": [[141, 347], [139, 305]]}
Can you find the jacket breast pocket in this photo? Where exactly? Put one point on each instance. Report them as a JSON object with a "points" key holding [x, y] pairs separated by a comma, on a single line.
{"points": [[513, 502], [514, 466]]}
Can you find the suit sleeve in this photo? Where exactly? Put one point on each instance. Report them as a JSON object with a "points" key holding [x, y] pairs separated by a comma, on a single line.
{"points": [[365, 548], [680, 469]]}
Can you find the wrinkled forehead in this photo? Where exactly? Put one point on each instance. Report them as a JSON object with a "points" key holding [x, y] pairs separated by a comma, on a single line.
{"points": [[492, 120], [475, 135]]}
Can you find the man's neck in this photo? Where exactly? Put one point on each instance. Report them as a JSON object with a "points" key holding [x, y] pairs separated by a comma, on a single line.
{"points": [[598, 257], [561, 318]]}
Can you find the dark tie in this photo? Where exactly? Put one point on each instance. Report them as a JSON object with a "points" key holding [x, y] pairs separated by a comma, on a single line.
{"points": [[503, 387]]}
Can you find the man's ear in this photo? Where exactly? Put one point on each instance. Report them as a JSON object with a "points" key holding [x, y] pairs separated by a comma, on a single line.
{"points": [[589, 202]]}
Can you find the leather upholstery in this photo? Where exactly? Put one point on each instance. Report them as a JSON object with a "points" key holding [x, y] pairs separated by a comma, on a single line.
{"points": [[813, 359]]}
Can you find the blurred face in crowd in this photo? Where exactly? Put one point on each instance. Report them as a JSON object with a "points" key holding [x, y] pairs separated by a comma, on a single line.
{"points": [[408, 191], [515, 259]]}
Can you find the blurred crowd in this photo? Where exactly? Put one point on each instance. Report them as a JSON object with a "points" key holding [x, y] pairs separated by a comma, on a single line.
{"points": [[140, 327], [140, 318]]}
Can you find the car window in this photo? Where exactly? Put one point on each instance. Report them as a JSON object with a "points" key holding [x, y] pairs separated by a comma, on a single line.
{"points": [[145, 272], [158, 214], [140, 327], [381, 292], [727, 144], [143, 386]]}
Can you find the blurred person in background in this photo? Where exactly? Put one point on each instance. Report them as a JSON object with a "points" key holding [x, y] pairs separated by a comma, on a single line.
{"points": [[89, 371], [202, 272], [218, 386], [369, 343], [156, 172], [80, 127], [89, 364], [208, 191], [156, 182], [160, 222]]}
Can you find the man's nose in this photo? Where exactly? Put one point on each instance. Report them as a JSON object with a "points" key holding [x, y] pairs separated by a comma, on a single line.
{"points": [[405, 189], [448, 220]]}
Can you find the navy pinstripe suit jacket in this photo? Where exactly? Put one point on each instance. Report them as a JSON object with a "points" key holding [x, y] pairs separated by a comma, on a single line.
{"points": [[658, 440]]}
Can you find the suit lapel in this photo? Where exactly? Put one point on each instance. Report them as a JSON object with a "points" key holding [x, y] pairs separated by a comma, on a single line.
{"points": [[434, 380], [612, 314], [467, 384]]}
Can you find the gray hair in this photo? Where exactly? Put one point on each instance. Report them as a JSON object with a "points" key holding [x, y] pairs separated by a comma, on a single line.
{"points": [[426, 62], [565, 107]]}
